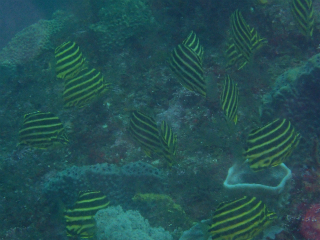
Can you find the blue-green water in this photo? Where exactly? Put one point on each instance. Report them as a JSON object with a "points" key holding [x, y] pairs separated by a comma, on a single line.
{"points": [[174, 178]]}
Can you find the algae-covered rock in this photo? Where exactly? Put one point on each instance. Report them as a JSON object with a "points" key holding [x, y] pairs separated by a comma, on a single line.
{"points": [[118, 183], [27, 44], [295, 96], [119, 21], [163, 207]]}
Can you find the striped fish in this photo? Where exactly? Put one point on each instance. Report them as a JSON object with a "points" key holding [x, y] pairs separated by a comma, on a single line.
{"points": [[169, 143], [69, 60], [229, 99], [79, 219], [192, 42], [241, 35], [256, 41], [242, 219], [234, 57], [87, 86], [271, 145], [187, 65], [145, 131], [245, 41], [42, 130], [302, 11]]}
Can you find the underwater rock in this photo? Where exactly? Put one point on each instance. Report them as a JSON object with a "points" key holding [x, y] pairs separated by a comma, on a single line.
{"points": [[120, 21], [267, 184], [163, 208], [195, 233], [30, 44], [271, 233], [295, 96], [310, 223], [33, 40], [114, 224], [119, 184]]}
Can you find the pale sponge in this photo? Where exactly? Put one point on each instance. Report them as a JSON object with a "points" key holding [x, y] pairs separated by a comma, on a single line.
{"points": [[271, 185], [271, 181]]}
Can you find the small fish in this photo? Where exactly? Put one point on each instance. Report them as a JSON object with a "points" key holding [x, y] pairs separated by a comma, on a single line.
{"points": [[234, 58], [242, 219], [145, 131], [229, 99], [79, 219], [244, 41], [241, 35], [302, 11], [192, 41], [169, 143], [271, 144], [69, 60], [42, 130], [87, 86], [187, 65], [256, 41]]}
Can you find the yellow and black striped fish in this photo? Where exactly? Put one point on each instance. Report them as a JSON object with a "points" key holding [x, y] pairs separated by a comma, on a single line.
{"points": [[271, 145], [145, 131], [234, 57], [229, 99], [69, 60], [302, 11], [169, 143], [242, 219], [256, 41], [244, 41], [87, 86], [187, 65], [241, 35], [192, 41], [79, 219], [42, 130]]}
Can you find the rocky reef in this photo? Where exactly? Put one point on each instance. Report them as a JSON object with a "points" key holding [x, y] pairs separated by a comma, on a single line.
{"points": [[129, 42], [119, 183], [120, 21], [295, 96]]}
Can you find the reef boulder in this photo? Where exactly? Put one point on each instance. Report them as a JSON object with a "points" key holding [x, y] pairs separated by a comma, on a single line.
{"points": [[295, 96]]}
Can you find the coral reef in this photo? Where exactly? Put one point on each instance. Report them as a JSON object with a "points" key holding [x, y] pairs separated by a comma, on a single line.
{"points": [[128, 41], [310, 223], [152, 197], [118, 183], [120, 21], [195, 233], [33, 40], [115, 224], [163, 207], [295, 95]]}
